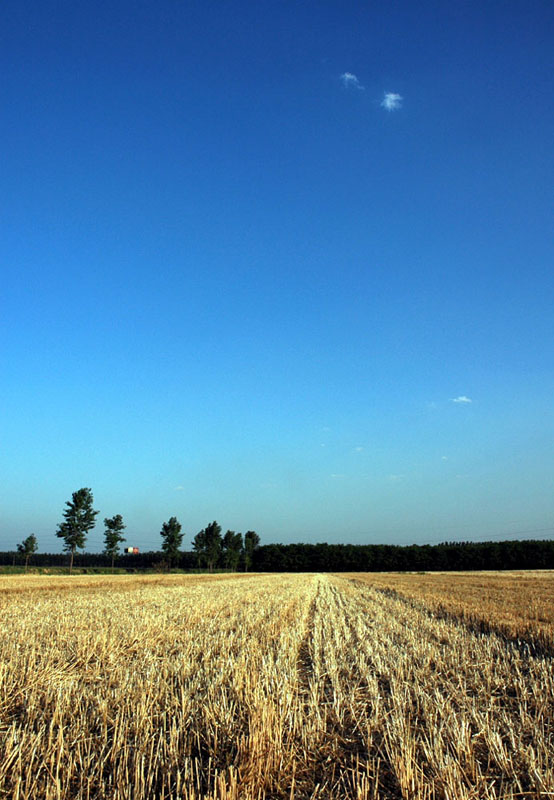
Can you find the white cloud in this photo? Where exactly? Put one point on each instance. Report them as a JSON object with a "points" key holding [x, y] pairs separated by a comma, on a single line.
{"points": [[461, 399], [358, 449], [392, 101], [179, 489], [350, 81], [444, 458], [337, 475], [395, 478]]}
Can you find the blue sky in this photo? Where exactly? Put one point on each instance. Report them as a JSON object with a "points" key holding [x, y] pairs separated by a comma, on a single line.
{"points": [[253, 254]]}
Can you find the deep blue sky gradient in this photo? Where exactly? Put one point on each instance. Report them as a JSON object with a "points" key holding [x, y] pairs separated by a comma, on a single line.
{"points": [[236, 288]]}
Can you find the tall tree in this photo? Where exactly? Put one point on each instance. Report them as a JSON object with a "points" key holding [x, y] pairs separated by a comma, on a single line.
{"points": [[251, 542], [172, 538], [207, 545], [27, 547], [79, 519], [113, 535], [232, 550]]}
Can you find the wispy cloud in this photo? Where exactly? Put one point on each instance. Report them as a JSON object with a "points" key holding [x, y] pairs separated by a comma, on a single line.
{"points": [[350, 81], [461, 399], [337, 475], [392, 101], [358, 449], [179, 489]]}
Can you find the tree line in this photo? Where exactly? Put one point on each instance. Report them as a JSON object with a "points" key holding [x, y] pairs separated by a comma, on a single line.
{"points": [[323, 557], [233, 551], [446, 556], [211, 549]]}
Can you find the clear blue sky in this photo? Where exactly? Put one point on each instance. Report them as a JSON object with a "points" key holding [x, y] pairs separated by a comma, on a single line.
{"points": [[285, 265]]}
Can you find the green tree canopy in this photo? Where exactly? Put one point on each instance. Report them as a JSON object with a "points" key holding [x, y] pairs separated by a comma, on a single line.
{"points": [[113, 535], [79, 519], [27, 548], [207, 545], [171, 540], [232, 550], [251, 542]]}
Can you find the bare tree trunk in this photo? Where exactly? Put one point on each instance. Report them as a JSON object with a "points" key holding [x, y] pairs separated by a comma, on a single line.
{"points": [[71, 561]]}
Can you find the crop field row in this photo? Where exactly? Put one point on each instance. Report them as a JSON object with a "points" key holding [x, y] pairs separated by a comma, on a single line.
{"points": [[519, 605], [273, 686]]}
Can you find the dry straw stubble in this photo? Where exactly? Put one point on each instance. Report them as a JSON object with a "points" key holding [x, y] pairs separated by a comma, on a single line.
{"points": [[269, 686]]}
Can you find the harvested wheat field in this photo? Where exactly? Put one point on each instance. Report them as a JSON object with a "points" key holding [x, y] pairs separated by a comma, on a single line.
{"points": [[271, 686], [518, 605]]}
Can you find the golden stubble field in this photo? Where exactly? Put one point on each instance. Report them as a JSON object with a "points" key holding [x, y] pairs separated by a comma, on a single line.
{"points": [[276, 686], [519, 604]]}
